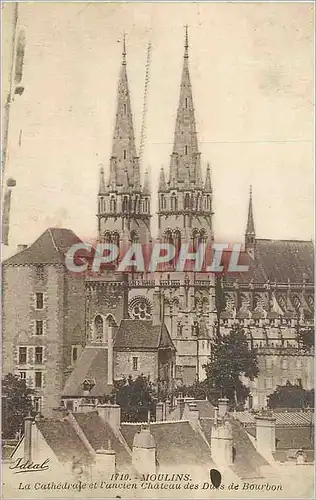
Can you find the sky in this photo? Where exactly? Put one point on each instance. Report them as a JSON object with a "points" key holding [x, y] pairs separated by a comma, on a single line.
{"points": [[251, 68]]}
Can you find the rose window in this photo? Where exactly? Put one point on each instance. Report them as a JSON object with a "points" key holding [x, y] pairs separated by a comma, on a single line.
{"points": [[140, 308]]}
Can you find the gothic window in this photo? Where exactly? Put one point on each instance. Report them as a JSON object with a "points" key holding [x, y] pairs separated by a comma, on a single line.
{"points": [[124, 154], [109, 325], [125, 204], [124, 109], [186, 102], [174, 202], [177, 241], [140, 308], [98, 328], [296, 302], [202, 236], [187, 203], [112, 205], [208, 202], [116, 239], [162, 202], [107, 237], [134, 237]]}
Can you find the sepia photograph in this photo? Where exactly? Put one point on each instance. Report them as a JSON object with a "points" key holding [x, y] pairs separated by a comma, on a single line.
{"points": [[157, 249]]}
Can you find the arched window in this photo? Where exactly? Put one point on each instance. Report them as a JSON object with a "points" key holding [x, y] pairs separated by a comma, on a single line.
{"points": [[110, 324], [125, 204], [187, 201], [186, 102], [162, 202], [124, 109], [124, 154], [134, 237], [98, 328], [186, 150], [177, 242], [107, 237], [112, 205], [208, 202]]}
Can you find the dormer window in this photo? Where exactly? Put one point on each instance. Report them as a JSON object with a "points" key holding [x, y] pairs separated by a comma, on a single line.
{"points": [[87, 385]]}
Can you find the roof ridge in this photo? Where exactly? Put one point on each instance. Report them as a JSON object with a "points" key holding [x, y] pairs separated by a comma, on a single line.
{"points": [[52, 238]]}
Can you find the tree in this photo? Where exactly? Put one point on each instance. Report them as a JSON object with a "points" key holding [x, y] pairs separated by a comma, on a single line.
{"points": [[291, 396], [231, 358], [306, 338], [135, 397], [16, 405]]}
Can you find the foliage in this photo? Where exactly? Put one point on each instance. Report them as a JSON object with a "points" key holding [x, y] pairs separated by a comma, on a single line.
{"points": [[291, 396], [136, 398], [230, 359], [16, 405]]}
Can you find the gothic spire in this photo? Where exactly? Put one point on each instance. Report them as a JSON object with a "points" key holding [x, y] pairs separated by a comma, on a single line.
{"points": [[102, 189], [123, 145], [208, 182], [185, 145], [162, 181], [250, 230]]}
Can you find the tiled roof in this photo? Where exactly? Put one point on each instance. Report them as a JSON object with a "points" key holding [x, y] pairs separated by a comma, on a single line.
{"points": [[247, 461], [138, 334], [92, 365], [63, 440], [176, 442], [206, 409], [290, 418], [49, 248], [99, 433]]}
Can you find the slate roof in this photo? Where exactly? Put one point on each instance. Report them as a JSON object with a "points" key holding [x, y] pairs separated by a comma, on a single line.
{"points": [[99, 433], [63, 440], [247, 461], [291, 437], [283, 418], [142, 335], [49, 248], [283, 260], [92, 365], [176, 442]]}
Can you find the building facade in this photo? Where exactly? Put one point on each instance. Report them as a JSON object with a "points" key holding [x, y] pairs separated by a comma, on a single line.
{"points": [[46, 326]]}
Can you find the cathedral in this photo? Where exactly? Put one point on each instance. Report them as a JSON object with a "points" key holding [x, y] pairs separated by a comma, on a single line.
{"points": [[72, 336]]}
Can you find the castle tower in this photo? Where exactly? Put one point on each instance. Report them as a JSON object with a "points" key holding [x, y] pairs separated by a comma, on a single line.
{"points": [[123, 206], [185, 203], [250, 234]]}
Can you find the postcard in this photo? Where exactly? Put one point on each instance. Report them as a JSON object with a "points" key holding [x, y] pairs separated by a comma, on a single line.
{"points": [[157, 250]]}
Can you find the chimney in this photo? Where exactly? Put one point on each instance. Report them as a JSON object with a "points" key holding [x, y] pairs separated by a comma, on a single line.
{"points": [[265, 434], [105, 461], [19, 248], [159, 412], [156, 306], [144, 452], [222, 443], [222, 407], [191, 413], [180, 404], [110, 356], [110, 413], [28, 423], [86, 407]]}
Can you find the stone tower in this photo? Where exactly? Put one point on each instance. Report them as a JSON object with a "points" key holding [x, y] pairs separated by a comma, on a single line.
{"points": [[185, 202], [123, 203]]}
